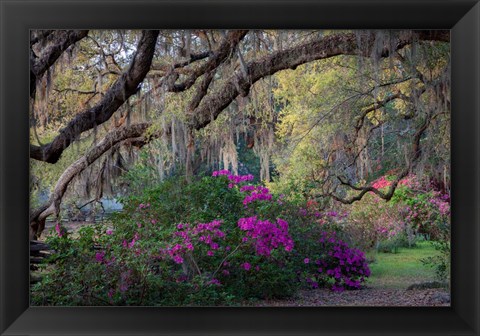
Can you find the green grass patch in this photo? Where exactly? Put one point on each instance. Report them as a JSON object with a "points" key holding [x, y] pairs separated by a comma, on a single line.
{"points": [[400, 270]]}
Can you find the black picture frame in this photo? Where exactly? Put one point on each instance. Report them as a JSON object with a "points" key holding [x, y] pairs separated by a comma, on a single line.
{"points": [[17, 17]]}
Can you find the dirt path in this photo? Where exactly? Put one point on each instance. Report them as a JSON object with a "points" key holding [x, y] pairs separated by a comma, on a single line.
{"points": [[364, 297]]}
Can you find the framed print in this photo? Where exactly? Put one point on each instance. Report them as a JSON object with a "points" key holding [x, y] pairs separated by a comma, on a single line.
{"points": [[228, 167]]}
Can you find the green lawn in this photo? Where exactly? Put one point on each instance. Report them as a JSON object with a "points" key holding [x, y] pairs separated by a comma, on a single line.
{"points": [[400, 270]]}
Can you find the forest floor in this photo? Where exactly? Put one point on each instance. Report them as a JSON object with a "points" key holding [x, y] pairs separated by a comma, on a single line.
{"points": [[364, 297]]}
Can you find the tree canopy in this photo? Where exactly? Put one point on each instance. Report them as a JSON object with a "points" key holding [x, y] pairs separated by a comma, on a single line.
{"points": [[320, 114]]}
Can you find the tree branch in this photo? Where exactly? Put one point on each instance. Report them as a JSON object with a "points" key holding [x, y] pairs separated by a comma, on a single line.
{"points": [[414, 156], [221, 54], [322, 48], [113, 138], [119, 92], [62, 40]]}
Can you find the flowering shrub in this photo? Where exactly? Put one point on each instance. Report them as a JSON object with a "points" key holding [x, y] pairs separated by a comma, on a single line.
{"points": [[267, 236], [177, 244], [412, 211], [218, 240], [345, 266], [331, 262]]}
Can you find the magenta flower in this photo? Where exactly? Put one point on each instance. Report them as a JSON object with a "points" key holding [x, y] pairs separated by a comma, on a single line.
{"points": [[59, 230], [306, 260], [178, 259], [246, 266], [99, 256], [221, 172], [267, 236], [109, 232]]}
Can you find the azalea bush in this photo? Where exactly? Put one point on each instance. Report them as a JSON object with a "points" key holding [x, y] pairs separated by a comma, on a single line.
{"points": [[177, 244], [375, 223], [219, 240], [335, 264], [416, 211]]}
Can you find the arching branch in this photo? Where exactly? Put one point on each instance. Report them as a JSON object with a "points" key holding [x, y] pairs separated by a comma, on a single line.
{"points": [[322, 48], [220, 55], [119, 92], [415, 154], [113, 138]]}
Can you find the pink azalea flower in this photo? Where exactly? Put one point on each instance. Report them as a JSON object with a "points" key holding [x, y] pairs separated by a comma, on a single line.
{"points": [[99, 256], [58, 229], [178, 259], [246, 266]]}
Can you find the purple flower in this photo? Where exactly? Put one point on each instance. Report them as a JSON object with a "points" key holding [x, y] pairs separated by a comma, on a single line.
{"points": [[178, 259], [59, 230], [337, 288], [246, 266], [306, 261], [99, 256], [220, 172], [266, 235], [109, 232], [123, 287]]}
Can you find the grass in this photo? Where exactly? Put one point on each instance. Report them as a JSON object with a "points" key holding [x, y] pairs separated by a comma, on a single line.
{"points": [[402, 269]]}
